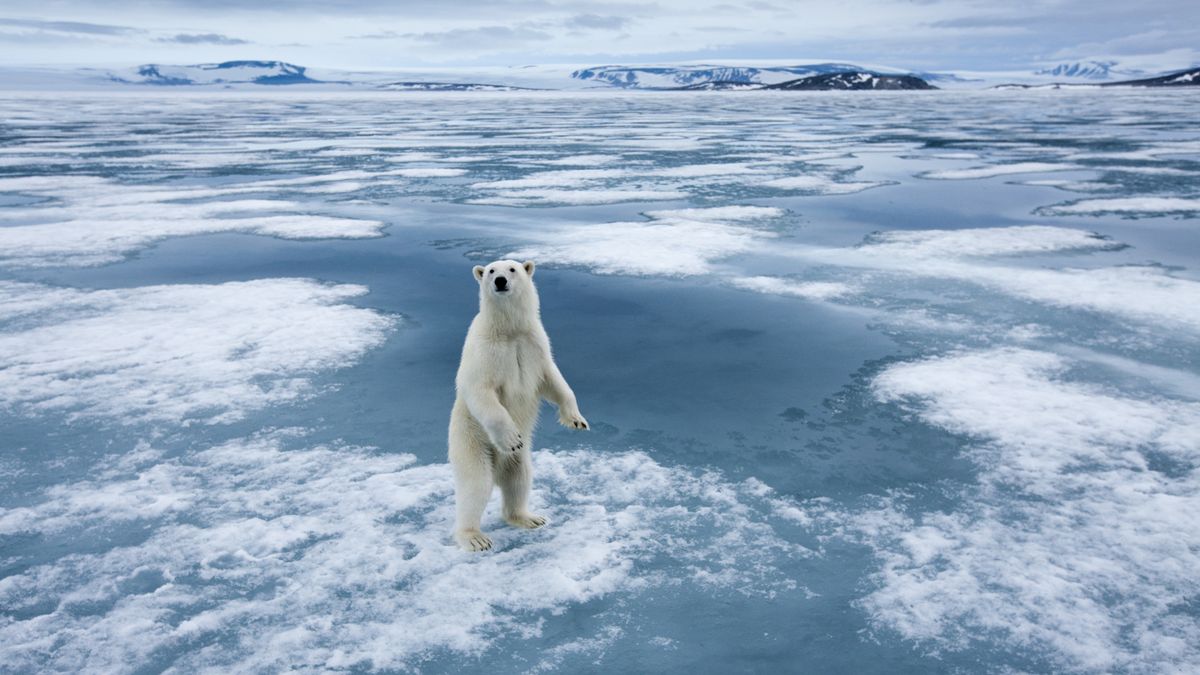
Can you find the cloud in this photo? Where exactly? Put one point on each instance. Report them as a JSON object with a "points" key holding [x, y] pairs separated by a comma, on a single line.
{"points": [[990, 21], [382, 35], [483, 36], [204, 39], [71, 27], [597, 22]]}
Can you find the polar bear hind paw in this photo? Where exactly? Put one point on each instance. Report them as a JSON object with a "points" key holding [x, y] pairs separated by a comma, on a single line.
{"points": [[473, 541], [529, 521]]}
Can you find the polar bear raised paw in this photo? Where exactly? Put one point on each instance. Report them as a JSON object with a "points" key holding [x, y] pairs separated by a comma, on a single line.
{"points": [[473, 541], [572, 420]]}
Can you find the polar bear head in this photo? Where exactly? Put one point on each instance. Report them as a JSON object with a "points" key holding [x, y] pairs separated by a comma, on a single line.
{"points": [[506, 285]]}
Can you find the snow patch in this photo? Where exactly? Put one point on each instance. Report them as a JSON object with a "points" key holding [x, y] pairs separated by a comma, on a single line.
{"points": [[92, 221], [1075, 542], [428, 172], [989, 241], [813, 290], [261, 558], [720, 213], [998, 170], [820, 185], [176, 353], [576, 197], [1126, 205], [678, 242]]}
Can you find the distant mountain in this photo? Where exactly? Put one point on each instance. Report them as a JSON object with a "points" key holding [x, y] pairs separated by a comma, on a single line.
{"points": [[678, 77], [857, 80], [229, 72], [942, 77], [1180, 78], [719, 85], [1087, 70], [251, 75], [450, 86]]}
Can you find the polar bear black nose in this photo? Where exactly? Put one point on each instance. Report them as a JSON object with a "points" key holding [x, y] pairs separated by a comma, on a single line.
{"points": [[501, 283]]}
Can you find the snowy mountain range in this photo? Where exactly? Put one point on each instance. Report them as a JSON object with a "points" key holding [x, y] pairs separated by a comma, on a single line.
{"points": [[253, 74], [852, 81], [1182, 78], [818, 76], [229, 72], [1090, 70], [450, 86], [675, 77]]}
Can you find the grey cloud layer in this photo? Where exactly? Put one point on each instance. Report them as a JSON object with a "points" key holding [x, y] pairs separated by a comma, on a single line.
{"points": [[204, 38]]}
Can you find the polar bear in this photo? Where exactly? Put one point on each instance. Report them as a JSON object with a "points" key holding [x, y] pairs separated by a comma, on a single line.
{"points": [[505, 372]]}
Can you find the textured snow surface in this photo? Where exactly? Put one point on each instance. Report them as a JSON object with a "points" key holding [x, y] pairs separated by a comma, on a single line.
{"points": [[1128, 205], [91, 220], [678, 242], [991, 241], [344, 559], [1075, 539], [178, 352], [999, 170]]}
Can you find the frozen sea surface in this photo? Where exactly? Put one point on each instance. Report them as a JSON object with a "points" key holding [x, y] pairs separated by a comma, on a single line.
{"points": [[896, 382]]}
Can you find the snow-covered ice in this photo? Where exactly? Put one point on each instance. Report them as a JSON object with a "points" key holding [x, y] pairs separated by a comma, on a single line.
{"points": [[948, 424]]}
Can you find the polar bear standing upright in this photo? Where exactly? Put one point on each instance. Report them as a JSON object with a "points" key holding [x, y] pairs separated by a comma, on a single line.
{"points": [[506, 371]]}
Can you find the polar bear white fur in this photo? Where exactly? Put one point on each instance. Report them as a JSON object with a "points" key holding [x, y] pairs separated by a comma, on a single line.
{"points": [[506, 371]]}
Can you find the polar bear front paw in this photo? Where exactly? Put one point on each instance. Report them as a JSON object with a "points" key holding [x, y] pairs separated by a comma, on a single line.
{"points": [[508, 441], [529, 521], [473, 540], [572, 419]]}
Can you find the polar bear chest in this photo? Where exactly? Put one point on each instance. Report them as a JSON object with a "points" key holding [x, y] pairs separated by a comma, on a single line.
{"points": [[516, 372], [517, 369]]}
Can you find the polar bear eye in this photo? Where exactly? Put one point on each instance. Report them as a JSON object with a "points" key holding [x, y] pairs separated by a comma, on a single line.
{"points": [[512, 269], [491, 271]]}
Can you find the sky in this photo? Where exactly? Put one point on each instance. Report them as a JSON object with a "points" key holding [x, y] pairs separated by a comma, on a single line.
{"points": [[1149, 35]]}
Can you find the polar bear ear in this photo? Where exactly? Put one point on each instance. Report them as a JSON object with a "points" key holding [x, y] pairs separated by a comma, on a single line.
{"points": [[478, 273], [529, 267]]}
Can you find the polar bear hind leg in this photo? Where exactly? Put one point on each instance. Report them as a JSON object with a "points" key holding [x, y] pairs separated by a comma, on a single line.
{"points": [[472, 488], [514, 476]]}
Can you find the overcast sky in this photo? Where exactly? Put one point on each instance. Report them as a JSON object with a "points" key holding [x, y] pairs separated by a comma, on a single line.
{"points": [[913, 34]]}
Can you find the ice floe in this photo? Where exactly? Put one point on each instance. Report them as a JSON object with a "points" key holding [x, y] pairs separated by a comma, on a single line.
{"points": [[176, 353], [256, 555], [1140, 293], [87, 220], [680, 242], [1150, 206], [1071, 185], [994, 170], [434, 172], [823, 185], [1078, 542], [583, 160], [814, 290], [986, 241], [577, 197], [720, 213]]}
